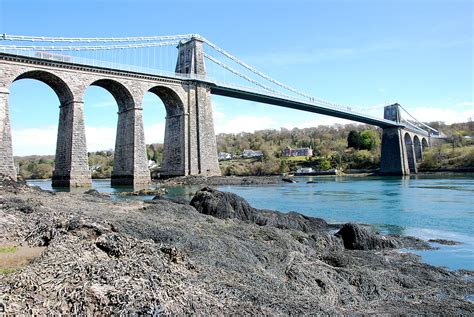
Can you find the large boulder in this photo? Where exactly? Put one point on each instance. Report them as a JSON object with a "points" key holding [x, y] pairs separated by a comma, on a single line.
{"points": [[225, 205], [356, 237], [291, 220]]}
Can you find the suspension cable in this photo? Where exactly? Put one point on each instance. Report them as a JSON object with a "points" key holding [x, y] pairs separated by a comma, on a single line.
{"points": [[411, 124], [96, 39], [423, 124], [253, 70], [238, 73], [85, 47], [313, 99]]}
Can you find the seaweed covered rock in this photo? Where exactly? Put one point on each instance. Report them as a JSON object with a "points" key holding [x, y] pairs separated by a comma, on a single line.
{"points": [[356, 237], [9, 184], [113, 244], [291, 220], [225, 205]]}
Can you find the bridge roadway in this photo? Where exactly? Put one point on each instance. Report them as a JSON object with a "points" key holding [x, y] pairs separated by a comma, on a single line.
{"points": [[221, 89], [274, 99]]}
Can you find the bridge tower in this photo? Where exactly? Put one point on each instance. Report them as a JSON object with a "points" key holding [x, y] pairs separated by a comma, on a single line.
{"points": [[394, 156], [191, 57], [200, 155]]}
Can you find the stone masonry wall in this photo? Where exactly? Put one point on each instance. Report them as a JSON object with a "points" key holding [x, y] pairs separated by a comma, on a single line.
{"points": [[71, 163], [6, 153], [209, 165], [202, 140]]}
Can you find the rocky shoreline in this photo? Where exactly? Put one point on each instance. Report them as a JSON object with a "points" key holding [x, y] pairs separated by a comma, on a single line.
{"points": [[220, 180], [217, 255]]}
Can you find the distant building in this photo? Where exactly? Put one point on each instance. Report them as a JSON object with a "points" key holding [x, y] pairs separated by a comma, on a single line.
{"points": [[305, 170], [251, 154], [223, 156], [304, 151]]}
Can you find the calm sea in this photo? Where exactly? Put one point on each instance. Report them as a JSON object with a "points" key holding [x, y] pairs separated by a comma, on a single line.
{"points": [[428, 207]]}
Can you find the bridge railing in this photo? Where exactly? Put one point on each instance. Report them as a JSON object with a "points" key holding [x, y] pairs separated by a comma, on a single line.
{"points": [[103, 64], [311, 101], [413, 125]]}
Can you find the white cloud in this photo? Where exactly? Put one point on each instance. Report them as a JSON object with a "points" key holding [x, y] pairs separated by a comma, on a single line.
{"points": [[100, 138], [321, 120], [465, 104], [155, 133], [41, 141], [218, 115], [103, 138], [244, 124], [446, 115]]}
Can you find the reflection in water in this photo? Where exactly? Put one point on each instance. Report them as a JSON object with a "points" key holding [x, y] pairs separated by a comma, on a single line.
{"points": [[423, 206], [183, 192]]}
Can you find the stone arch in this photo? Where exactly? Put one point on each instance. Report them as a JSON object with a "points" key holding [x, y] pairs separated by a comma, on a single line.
{"points": [[60, 87], [417, 149], [174, 147], [424, 144], [130, 164], [410, 152], [173, 103], [71, 166], [121, 94]]}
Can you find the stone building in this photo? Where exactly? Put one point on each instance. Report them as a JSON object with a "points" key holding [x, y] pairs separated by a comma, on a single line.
{"points": [[305, 151], [251, 154]]}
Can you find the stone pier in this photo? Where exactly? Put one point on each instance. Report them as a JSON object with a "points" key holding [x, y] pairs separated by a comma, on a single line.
{"points": [[402, 149], [130, 161], [7, 166], [71, 161]]}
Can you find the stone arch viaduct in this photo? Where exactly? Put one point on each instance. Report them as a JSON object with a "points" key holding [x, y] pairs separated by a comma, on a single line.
{"points": [[189, 144]]}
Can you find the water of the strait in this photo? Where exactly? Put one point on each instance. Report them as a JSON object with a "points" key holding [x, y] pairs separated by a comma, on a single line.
{"points": [[428, 207]]}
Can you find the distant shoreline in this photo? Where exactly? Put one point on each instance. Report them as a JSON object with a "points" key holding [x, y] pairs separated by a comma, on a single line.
{"points": [[272, 179]]}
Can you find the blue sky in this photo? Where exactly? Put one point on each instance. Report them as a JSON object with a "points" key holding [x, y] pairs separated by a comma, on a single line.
{"points": [[360, 53]]}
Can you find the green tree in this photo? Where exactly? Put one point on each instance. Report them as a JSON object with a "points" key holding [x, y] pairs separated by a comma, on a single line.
{"points": [[353, 139], [325, 165], [31, 166], [283, 167], [43, 171], [369, 140]]}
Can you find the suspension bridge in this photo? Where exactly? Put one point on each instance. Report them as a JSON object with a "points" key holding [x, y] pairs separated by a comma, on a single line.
{"points": [[131, 66]]}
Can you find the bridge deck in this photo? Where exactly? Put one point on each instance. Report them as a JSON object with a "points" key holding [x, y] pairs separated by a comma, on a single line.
{"points": [[300, 105]]}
